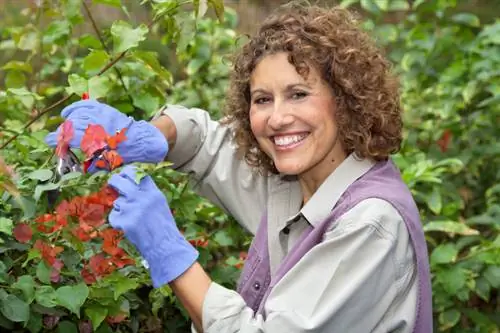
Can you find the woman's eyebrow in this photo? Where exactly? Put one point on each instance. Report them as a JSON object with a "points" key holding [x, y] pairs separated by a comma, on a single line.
{"points": [[288, 87]]}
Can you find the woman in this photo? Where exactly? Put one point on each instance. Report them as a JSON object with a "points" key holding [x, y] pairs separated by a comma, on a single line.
{"points": [[301, 161]]}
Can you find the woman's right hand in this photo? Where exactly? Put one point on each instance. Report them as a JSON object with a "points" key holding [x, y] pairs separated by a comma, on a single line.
{"points": [[145, 143]]}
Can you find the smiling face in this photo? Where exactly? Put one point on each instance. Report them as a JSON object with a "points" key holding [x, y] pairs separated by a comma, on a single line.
{"points": [[293, 119]]}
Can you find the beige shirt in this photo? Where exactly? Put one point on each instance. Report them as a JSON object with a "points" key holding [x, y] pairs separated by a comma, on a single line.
{"points": [[361, 278]]}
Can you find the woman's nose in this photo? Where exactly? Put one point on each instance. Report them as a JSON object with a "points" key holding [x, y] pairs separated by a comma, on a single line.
{"points": [[280, 117]]}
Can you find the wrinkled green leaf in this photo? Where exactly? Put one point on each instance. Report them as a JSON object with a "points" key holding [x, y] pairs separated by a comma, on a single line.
{"points": [[434, 201], [492, 275], [41, 174], [95, 61], [97, 314], [67, 327], [450, 227], [126, 37], [15, 309], [43, 272], [72, 297], [26, 284], [99, 86], [223, 239], [6, 226], [449, 319], [444, 254], [46, 296]]}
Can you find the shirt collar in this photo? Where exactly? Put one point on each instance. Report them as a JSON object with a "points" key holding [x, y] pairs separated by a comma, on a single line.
{"points": [[324, 199], [326, 196]]}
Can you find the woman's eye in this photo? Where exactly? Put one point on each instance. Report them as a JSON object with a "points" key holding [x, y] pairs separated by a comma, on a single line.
{"points": [[299, 95], [261, 100]]}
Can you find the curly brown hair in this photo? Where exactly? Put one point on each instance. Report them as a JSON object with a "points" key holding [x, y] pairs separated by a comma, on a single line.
{"points": [[367, 94]]}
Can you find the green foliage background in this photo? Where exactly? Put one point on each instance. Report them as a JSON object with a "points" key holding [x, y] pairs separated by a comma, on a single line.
{"points": [[449, 64]]}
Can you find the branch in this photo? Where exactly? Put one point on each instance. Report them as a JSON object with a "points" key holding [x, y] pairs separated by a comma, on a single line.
{"points": [[103, 43], [40, 114]]}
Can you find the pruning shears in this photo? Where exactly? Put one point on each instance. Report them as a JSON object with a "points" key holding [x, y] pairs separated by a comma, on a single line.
{"points": [[65, 164]]}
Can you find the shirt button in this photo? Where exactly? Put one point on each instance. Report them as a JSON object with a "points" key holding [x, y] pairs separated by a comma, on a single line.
{"points": [[256, 286]]}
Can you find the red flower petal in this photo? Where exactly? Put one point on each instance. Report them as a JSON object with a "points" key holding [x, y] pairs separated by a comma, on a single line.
{"points": [[22, 233], [65, 136]]}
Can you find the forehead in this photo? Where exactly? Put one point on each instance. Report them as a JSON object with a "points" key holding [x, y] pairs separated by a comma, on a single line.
{"points": [[275, 69]]}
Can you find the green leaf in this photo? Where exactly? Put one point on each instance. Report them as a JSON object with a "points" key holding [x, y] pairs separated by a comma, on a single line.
{"points": [[15, 79], [147, 102], [123, 285], [448, 319], [41, 174], [444, 254], [6, 225], [35, 323], [370, 6], [483, 289], [43, 272], [15, 309], [46, 296], [99, 86], [39, 189], [57, 31], [26, 284], [95, 61], [467, 19], [450, 227], [194, 66], [399, 5], [114, 3], [67, 327], [18, 66], [97, 314], [434, 201], [77, 85], [72, 297], [452, 279], [223, 239], [126, 37], [492, 275], [348, 3]]}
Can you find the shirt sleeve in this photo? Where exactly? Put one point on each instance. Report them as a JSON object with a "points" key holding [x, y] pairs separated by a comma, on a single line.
{"points": [[204, 149], [354, 280]]}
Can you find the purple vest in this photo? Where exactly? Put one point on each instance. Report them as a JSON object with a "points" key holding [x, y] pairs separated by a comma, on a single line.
{"points": [[382, 181]]}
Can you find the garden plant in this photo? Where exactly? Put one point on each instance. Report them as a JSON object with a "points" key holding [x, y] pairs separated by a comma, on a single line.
{"points": [[64, 269]]}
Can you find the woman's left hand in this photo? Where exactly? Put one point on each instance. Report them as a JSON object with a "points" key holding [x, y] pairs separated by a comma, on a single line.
{"points": [[141, 211]]}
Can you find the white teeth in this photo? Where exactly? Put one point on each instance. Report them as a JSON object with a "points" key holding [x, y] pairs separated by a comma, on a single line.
{"points": [[289, 139]]}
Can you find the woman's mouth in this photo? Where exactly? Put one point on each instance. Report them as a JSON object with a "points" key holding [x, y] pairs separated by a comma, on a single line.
{"points": [[289, 141]]}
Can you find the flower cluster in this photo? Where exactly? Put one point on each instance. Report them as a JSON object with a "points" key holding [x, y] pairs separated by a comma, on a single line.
{"points": [[82, 217]]}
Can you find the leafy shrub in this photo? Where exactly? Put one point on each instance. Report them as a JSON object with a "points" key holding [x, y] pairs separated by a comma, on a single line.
{"points": [[449, 67]]}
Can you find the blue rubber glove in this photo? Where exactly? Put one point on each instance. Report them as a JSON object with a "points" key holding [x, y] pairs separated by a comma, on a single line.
{"points": [[141, 211], [145, 143]]}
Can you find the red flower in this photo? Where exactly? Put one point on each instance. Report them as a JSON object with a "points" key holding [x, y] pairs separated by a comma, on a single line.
{"points": [[49, 223], [445, 140], [87, 275], [101, 266], [22, 233], [48, 251], [111, 239], [93, 139], [114, 140]]}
